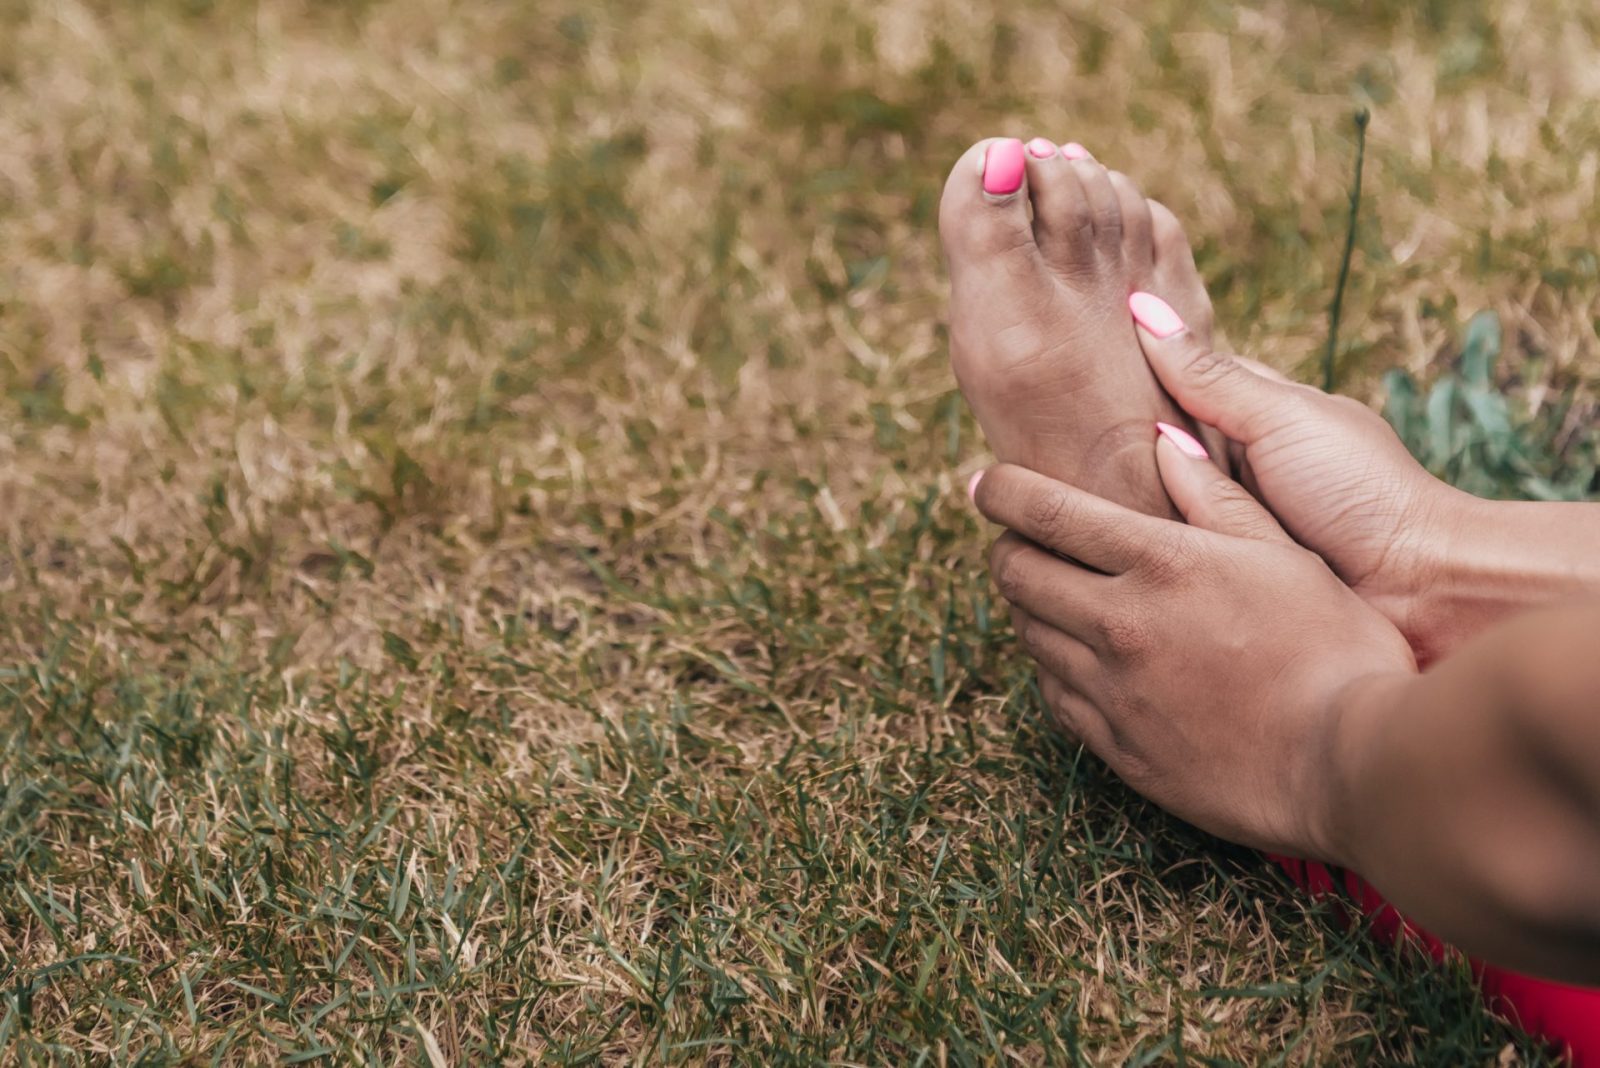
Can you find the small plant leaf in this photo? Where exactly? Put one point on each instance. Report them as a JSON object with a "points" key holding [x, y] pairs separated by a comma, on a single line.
{"points": [[1441, 421], [1481, 349]]}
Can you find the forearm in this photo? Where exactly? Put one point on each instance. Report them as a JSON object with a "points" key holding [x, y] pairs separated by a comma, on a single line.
{"points": [[1499, 558], [1470, 795]]}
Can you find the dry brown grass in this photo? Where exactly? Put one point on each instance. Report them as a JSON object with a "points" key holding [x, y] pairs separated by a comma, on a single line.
{"points": [[485, 575]]}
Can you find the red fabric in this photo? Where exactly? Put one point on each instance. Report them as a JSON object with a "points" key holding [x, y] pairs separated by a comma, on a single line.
{"points": [[1567, 1016]]}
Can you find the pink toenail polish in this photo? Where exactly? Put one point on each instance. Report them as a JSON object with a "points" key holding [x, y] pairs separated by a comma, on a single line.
{"points": [[1002, 167], [972, 485], [1073, 150], [1154, 314], [1039, 148], [1183, 440]]}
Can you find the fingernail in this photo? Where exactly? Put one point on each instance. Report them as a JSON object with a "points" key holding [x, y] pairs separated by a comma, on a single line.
{"points": [[1184, 441], [1154, 314], [972, 486], [1073, 150], [1039, 148], [1002, 167]]}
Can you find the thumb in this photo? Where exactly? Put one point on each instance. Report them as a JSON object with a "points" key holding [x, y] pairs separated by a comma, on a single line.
{"points": [[1204, 495], [1212, 387]]}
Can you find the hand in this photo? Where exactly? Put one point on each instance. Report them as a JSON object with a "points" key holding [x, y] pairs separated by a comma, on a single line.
{"points": [[1329, 468], [1204, 663]]}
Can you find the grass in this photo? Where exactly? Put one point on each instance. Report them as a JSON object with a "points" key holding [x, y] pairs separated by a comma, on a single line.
{"points": [[485, 576]]}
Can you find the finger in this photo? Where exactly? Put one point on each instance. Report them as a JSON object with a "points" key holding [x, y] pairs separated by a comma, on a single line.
{"points": [[1066, 657], [1069, 521], [1074, 715], [1205, 496], [1263, 369], [1212, 387], [1056, 695], [1052, 691], [1058, 591]]}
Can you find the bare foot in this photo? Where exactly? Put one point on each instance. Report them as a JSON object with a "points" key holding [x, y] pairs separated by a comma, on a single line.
{"points": [[1041, 340]]}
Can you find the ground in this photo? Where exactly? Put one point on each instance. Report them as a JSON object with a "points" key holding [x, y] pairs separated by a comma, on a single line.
{"points": [[485, 574]]}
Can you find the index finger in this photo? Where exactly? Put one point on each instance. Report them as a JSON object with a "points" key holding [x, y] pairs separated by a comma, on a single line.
{"points": [[1068, 520]]}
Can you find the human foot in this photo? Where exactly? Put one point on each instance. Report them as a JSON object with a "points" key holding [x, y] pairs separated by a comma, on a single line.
{"points": [[1039, 334]]}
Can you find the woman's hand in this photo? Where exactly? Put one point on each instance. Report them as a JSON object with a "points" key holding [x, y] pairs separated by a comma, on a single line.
{"points": [[1204, 663], [1329, 468]]}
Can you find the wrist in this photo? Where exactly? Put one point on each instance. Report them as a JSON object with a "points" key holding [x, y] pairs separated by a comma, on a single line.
{"points": [[1490, 559], [1348, 791], [1447, 545]]}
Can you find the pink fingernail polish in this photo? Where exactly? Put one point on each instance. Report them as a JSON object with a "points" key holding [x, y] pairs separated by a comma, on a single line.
{"points": [[1184, 441], [972, 485], [1002, 167], [1039, 148], [1154, 314], [1073, 150]]}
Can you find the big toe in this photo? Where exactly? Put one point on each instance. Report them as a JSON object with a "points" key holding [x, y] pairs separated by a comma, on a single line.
{"points": [[983, 215]]}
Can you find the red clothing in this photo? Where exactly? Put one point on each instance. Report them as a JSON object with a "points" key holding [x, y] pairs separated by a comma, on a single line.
{"points": [[1564, 1015]]}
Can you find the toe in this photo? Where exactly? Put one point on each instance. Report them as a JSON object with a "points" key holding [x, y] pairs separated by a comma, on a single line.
{"points": [[983, 214], [1063, 220], [1103, 206], [1138, 250], [1174, 275], [1169, 244]]}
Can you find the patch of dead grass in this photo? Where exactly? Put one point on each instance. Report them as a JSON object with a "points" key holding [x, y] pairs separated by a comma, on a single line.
{"points": [[485, 573]]}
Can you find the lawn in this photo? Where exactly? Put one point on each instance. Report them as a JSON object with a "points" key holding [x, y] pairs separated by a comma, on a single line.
{"points": [[485, 576]]}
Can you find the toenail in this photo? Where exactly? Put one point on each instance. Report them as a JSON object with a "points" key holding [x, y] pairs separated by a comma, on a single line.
{"points": [[1039, 148], [1154, 314], [1184, 440], [1073, 150], [1002, 167]]}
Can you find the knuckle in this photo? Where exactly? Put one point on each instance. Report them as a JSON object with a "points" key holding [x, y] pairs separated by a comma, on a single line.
{"points": [[1082, 229], [1230, 502], [1009, 580], [1212, 369], [1132, 543], [1169, 560], [1225, 491], [1289, 407], [1031, 633], [1064, 718], [1050, 516], [1005, 566], [1348, 407], [1125, 633], [1301, 404]]}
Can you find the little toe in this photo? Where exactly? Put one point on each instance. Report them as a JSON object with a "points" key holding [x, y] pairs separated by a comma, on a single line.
{"points": [[1138, 236], [983, 214]]}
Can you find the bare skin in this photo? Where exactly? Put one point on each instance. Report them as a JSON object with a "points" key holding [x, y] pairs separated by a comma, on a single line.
{"points": [[1108, 628], [1469, 794], [1465, 793], [1440, 564], [1040, 339]]}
